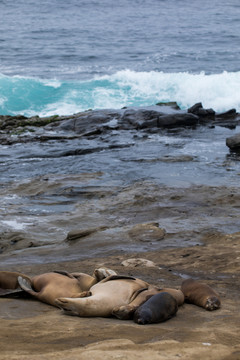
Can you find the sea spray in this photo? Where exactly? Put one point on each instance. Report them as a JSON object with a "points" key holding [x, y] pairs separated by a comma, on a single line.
{"points": [[31, 96]]}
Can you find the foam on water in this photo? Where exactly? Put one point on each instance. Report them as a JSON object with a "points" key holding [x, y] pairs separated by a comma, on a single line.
{"points": [[14, 224], [33, 96]]}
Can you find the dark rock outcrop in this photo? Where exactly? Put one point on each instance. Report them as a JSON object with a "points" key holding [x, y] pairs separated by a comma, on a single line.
{"points": [[233, 142], [198, 110], [14, 129]]}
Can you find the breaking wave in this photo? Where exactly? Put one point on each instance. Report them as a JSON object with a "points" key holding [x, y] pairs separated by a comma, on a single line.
{"points": [[44, 97]]}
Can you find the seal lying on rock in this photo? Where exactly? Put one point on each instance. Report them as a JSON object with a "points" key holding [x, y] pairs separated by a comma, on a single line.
{"points": [[48, 287], [106, 295], [9, 279], [158, 308], [200, 294], [126, 311]]}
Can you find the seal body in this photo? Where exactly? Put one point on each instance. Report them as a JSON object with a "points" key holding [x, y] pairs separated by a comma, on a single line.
{"points": [[126, 312], [107, 294], [9, 279], [158, 308], [200, 294], [48, 287]]}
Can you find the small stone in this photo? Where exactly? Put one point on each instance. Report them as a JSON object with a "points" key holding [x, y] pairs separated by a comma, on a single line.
{"points": [[147, 232], [135, 262]]}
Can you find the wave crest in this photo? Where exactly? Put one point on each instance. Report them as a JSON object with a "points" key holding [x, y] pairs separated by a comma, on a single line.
{"points": [[44, 97]]}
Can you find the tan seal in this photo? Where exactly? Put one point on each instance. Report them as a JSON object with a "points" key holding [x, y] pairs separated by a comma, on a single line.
{"points": [[9, 279], [200, 294], [112, 292], [48, 287]]}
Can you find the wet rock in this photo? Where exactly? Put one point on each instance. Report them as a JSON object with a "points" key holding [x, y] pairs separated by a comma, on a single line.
{"points": [[173, 120], [233, 142], [8, 122], [232, 113], [135, 262], [89, 122], [172, 104], [15, 241], [93, 150], [76, 235], [95, 123], [198, 110], [147, 232], [144, 118], [138, 119], [180, 158]]}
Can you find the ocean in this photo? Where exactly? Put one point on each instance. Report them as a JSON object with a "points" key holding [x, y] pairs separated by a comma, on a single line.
{"points": [[59, 57]]}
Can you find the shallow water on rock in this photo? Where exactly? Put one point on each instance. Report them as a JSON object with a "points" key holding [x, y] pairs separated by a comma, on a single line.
{"points": [[180, 158], [117, 180]]}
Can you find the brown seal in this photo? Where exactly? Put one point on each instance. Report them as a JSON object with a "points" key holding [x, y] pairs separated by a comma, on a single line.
{"points": [[126, 311], [200, 295], [9, 279], [109, 293], [158, 308], [48, 287]]}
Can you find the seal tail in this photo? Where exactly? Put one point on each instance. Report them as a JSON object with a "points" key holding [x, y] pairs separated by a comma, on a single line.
{"points": [[26, 285]]}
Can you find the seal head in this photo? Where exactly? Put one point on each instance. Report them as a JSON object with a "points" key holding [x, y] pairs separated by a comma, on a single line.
{"points": [[212, 303]]}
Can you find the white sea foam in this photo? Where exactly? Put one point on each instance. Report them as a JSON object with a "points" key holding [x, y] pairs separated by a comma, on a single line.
{"points": [[219, 91], [14, 224], [32, 96]]}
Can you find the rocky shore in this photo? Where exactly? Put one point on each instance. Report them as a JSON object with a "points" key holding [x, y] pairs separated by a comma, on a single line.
{"points": [[159, 231], [15, 129]]}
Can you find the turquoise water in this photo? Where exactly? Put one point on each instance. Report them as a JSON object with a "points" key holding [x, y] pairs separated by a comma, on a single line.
{"points": [[31, 96], [59, 57]]}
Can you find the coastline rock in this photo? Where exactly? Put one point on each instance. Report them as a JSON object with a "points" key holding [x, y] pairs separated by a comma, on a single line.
{"points": [[135, 262], [76, 235], [89, 122], [19, 129], [198, 110], [16, 240], [173, 120], [150, 118], [147, 232], [172, 104], [230, 113], [233, 142]]}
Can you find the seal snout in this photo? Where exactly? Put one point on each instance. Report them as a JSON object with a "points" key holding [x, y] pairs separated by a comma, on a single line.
{"points": [[141, 321], [213, 303]]}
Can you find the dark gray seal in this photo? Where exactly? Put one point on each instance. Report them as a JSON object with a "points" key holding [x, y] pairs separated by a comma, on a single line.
{"points": [[158, 308]]}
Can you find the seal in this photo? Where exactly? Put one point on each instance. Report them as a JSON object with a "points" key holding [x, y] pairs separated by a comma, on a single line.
{"points": [[125, 312], [200, 294], [48, 287], [9, 279], [111, 292], [158, 308]]}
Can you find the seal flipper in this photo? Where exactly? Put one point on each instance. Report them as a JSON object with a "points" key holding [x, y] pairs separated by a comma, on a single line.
{"points": [[65, 273], [117, 277], [26, 286]]}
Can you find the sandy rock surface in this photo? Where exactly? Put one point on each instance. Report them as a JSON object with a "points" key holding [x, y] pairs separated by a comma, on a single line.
{"points": [[42, 331]]}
